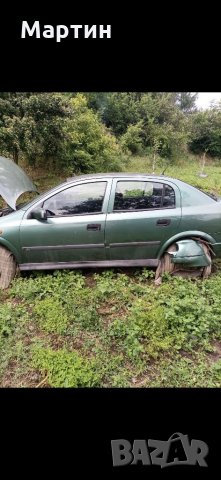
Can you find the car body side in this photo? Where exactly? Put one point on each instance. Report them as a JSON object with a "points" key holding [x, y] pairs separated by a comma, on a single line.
{"points": [[127, 236]]}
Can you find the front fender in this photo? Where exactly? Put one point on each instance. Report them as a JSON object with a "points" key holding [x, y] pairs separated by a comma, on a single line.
{"points": [[185, 235], [11, 248]]}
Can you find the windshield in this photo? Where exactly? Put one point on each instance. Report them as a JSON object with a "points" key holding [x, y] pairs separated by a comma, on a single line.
{"points": [[26, 198]]}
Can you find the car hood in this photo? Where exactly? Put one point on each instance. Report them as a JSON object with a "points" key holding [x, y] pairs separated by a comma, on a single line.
{"points": [[13, 182]]}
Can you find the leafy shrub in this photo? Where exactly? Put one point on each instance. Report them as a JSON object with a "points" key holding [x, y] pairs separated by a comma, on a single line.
{"points": [[132, 139], [191, 309], [51, 315], [12, 321], [39, 285], [90, 146], [66, 369], [10, 318], [143, 332]]}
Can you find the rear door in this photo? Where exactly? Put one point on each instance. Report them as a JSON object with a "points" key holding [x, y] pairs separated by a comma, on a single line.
{"points": [[142, 214]]}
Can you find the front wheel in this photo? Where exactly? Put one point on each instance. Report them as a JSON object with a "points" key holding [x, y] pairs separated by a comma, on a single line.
{"points": [[7, 267]]}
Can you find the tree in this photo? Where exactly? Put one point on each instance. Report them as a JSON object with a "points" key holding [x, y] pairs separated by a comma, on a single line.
{"points": [[132, 139], [10, 133], [90, 147], [206, 132], [155, 148], [186, 101], [119, 111], [165, 129], [141, 120], [31, 125], [97, 100]]}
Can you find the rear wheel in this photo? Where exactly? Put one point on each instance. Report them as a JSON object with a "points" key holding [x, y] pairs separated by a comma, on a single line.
{"points": [[7, 267], [206, 270], [167, 266]]}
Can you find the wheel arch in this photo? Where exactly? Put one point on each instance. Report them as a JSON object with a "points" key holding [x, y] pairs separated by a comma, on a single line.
{"points": [[183, 236], [11, 248]]}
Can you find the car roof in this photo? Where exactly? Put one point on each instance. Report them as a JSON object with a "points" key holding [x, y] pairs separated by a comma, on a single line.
{"points": [[132, 175], [115, 174]]}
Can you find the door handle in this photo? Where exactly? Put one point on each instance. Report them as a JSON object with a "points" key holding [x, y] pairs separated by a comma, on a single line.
{"points": [[94, 226], [163, 222]]}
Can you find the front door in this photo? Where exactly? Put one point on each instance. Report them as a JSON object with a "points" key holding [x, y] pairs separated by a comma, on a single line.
{"points": [[141, 216], [74, 228]]}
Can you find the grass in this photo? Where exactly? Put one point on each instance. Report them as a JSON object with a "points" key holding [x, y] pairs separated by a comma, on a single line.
{"points": [[113, 328], [186, 169]]}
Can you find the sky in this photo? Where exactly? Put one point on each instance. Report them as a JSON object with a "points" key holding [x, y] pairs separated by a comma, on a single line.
{"points": [[204, 99]]}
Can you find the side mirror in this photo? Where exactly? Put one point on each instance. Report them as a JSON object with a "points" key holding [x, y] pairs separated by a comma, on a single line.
{"points": [[39, 214]]}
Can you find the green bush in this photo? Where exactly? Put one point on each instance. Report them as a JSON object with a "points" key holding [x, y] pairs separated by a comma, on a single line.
{"points": [[51, 315], [66, 369], [10, 318], [132, 139], [90, 146], [41, 285]]}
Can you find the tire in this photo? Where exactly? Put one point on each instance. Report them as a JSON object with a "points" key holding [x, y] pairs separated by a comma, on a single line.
{"points": [[7, 267], [167, 266], [206, 270]]}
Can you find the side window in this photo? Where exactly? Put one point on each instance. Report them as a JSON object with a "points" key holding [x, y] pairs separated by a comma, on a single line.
{"points": [[77, 200], [135, 195], [168, 197]]}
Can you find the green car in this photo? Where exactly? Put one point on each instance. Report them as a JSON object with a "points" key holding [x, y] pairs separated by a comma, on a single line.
{"points": [[107, 220]]}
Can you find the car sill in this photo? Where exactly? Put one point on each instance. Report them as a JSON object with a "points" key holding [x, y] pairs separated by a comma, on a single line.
{"points": [[104, 263]]}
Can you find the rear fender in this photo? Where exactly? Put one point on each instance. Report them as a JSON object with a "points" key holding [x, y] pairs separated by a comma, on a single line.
{"points": [[190, 253], [184, 236]]}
